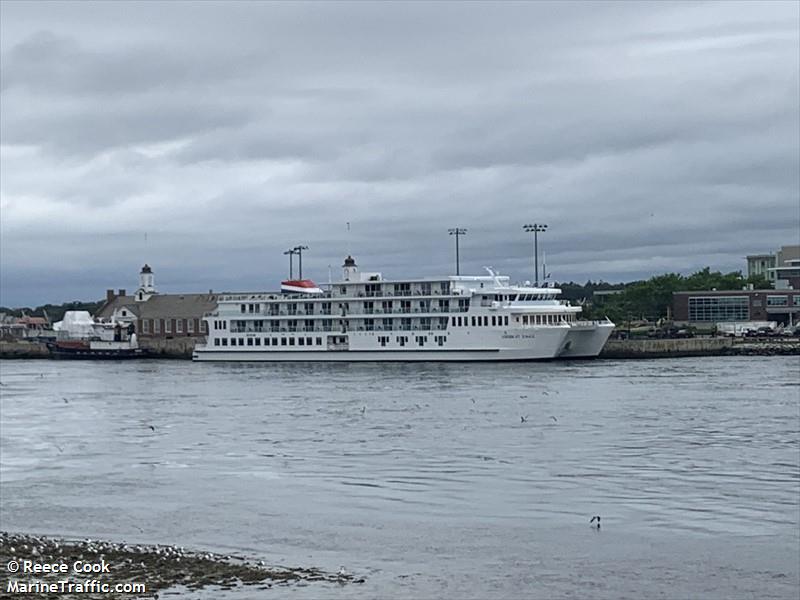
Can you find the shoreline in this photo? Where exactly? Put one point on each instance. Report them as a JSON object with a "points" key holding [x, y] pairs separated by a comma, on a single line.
{"points": [[157, 567], [614, 349]]}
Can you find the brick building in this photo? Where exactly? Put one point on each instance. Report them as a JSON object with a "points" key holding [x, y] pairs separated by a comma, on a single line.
{"points": [[158, 315], [714, 306]]}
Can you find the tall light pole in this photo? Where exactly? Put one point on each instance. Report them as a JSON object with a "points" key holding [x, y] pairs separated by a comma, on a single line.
{"points": [[458, 232], [291, 252], [536, 228], [299, 251]]}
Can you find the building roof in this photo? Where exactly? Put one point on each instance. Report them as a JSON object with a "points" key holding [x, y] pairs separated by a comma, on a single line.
{"points": [[105, 311], [32, 320], [167, 306]]}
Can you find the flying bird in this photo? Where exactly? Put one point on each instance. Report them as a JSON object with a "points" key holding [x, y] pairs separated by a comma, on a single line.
{"points": [[554, 419], [523, 419]]}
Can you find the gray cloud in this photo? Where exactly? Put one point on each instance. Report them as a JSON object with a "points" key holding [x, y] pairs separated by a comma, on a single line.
{"points": [[651, 137]]}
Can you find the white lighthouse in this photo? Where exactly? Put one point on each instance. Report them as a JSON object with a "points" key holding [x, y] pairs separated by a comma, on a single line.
{"points": [[146, 284], [349, 269]]}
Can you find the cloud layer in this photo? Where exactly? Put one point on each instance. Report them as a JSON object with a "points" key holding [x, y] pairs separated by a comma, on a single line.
{"points": [[650, 137]]}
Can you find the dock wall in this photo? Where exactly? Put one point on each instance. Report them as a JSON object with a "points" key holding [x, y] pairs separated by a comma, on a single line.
{"points": [[23, 349], [705, 346], [181, 348]]}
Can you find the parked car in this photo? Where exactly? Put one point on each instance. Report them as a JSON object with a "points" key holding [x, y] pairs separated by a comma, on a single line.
{"points": [[761, 332]]}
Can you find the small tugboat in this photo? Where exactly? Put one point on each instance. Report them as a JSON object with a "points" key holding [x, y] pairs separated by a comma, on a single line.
{"points": [[96, 349], [82, 338]]}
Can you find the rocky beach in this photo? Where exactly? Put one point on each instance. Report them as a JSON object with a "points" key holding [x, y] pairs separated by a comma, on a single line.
{"points": [[33, 564]]}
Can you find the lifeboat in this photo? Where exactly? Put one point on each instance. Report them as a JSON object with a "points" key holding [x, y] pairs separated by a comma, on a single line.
{"points": [[300, 286]]}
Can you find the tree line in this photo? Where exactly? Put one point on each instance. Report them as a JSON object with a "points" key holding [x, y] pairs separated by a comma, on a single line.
{"points": [[651, 299], [53, 312]]}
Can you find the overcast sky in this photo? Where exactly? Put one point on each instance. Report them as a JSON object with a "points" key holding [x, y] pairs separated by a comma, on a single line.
{"points": [[206, 139]]}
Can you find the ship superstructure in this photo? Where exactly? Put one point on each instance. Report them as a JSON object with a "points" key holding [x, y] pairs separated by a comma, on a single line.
{"points": [[364, 317]]}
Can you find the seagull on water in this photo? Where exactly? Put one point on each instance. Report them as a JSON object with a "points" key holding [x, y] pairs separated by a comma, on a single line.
{"points": [[554, 419], [595, 518], [151, 428], [523, 419]]}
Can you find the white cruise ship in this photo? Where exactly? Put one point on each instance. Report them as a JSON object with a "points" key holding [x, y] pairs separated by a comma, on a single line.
{"points": [[367, 318]]}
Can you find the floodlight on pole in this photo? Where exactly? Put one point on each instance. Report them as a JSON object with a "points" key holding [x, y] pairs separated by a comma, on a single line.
{"points": [[291, 252], [536, 229], [458, 232], [299, 251]]}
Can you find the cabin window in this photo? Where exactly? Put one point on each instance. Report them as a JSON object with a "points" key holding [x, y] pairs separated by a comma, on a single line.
{"points": [[473, 321], [505, 320], [224, 341], [302, 341], [216, 341], [455, 321], [283, 341], [244, 308], [249, 341], [291, 341], [308, 341], [274, 341], [258, 341], [494, 321]]}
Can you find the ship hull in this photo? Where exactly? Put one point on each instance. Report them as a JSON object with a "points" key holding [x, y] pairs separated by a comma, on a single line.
{"points": [[367, 356], [586, 340], [87, 353], [540, 344]]}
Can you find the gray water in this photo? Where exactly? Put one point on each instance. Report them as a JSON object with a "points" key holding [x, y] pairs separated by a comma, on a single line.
{"points": [[423, 478]]}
